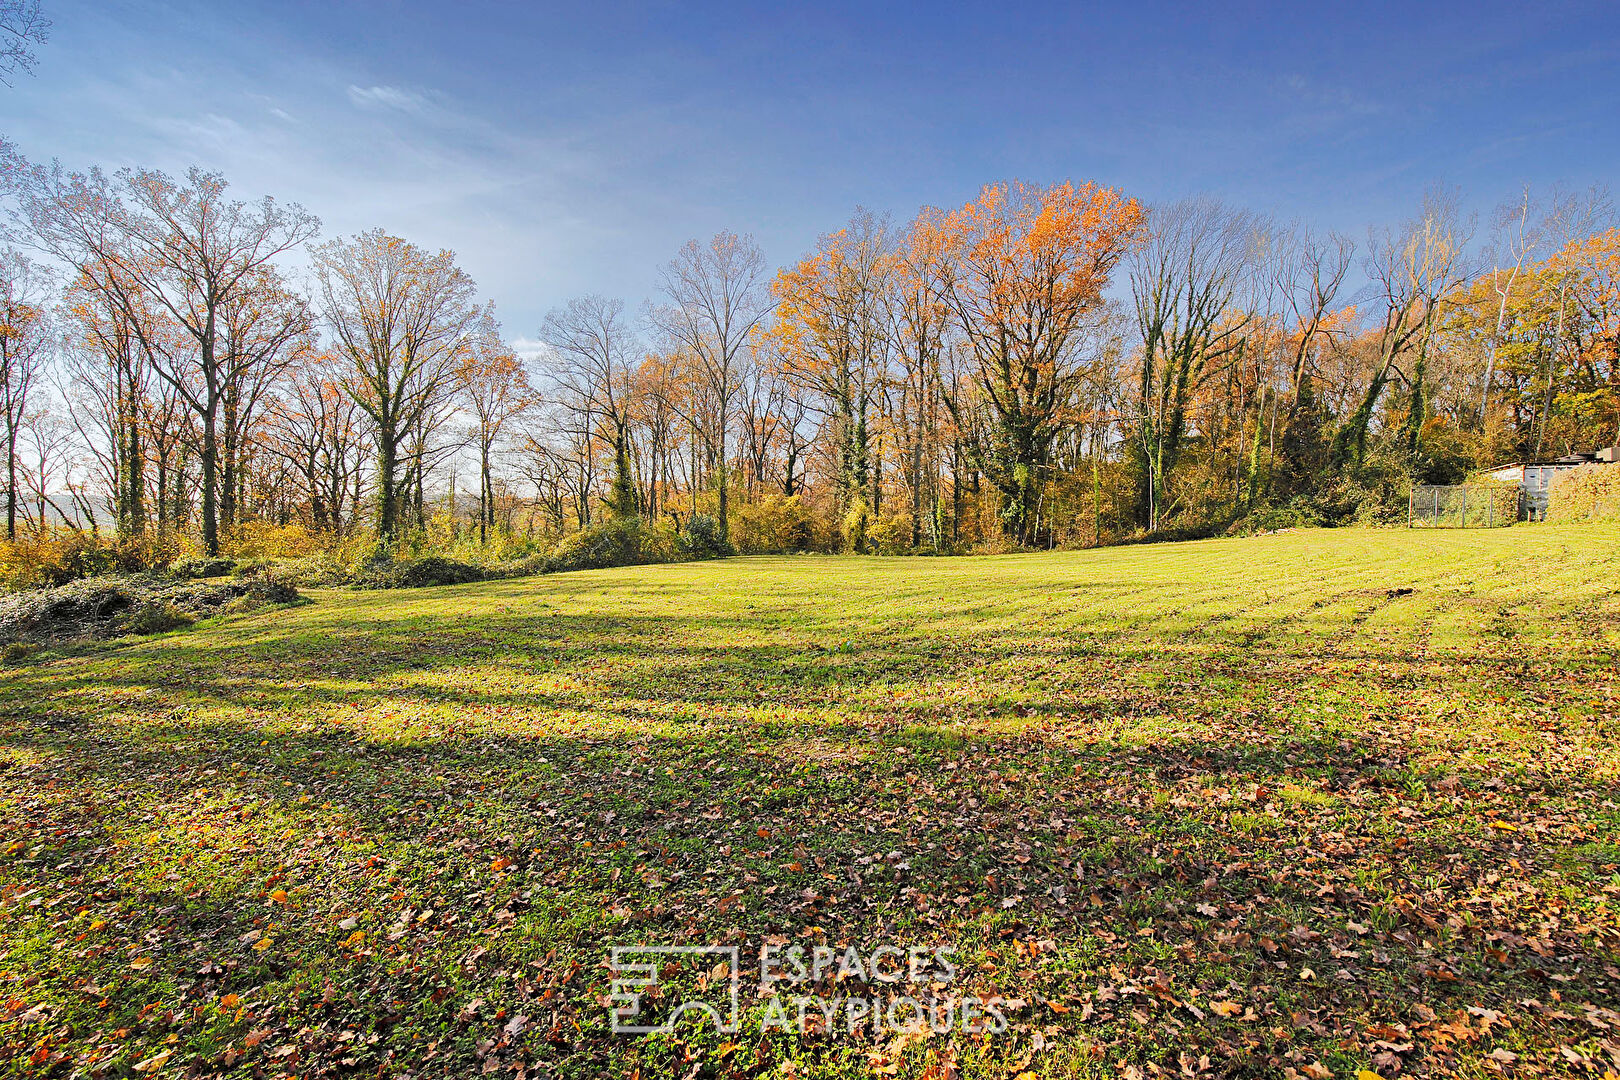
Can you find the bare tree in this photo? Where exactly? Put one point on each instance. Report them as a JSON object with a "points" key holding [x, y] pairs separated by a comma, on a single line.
{"points": [[716, 299], [1184, 282], [1411, 273], [46, 448], [23, 26], [400, 317], [594, 373], [1309, 275], [1515, 232], [184, 248]]}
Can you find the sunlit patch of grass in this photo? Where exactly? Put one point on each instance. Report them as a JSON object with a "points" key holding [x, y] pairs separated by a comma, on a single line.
{"points": [[1295, 795]]}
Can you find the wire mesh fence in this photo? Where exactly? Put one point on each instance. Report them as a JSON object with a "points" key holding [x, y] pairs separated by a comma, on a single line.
{"points": [[1463, 506]]}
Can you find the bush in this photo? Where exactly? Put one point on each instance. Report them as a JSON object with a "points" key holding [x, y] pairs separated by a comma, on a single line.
{"points": [[341, 562], [701, 539], [521, 567], [775, 525], [1297, 513], [856, 523], [615, 542], [1586, 493], [891, 535], [263, 540], [56, 560], [153, 617], [68, 555]]}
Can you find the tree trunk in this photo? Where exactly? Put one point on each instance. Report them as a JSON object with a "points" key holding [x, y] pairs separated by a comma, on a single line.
{"points": [[387, 491], [210, 487]]}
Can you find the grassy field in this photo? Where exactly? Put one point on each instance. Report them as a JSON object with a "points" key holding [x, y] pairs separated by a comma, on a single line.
{"points": [[1323, 802]]}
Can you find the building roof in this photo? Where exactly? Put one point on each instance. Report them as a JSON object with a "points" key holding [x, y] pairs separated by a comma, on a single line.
{"points": [[1604, 456]]}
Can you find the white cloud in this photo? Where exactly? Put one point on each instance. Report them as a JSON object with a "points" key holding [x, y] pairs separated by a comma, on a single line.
{"points": [[387, 97], [529, 348]]}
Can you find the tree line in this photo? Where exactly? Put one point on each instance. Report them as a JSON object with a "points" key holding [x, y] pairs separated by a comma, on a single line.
{"points": [[1041, 365]]}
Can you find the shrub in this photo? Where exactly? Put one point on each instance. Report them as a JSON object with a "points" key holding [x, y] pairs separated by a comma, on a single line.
{"points": [[996, 543], [775, 525], [68, 555], [615, 542], [153, 617], [57, 560], [701, 538], [263, 540], [521, 567], [1297, 513], [891, 535], [1586, 493], [856, 522], [340, 562]]}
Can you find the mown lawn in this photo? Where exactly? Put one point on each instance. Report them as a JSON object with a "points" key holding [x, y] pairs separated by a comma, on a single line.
{"points": [[1323, 801]]}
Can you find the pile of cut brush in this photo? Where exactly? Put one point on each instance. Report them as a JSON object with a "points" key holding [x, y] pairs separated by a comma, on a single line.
{"points": [[107, 607]]}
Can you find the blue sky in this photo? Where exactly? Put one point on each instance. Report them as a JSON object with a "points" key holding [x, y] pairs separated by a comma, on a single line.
{"points": [[571, 148]]}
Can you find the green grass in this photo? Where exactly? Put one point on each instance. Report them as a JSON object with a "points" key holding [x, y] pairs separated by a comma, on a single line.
{"points": [[1334, 800]]}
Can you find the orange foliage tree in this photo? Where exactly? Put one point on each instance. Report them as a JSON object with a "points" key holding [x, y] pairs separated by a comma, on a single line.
{"points": [[1026, 267], [1593, 269], [830, 336]]}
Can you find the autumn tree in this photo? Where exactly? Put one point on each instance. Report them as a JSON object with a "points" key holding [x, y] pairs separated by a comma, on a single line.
{"points": [[267, 330], [400, 317], [25, 335], [831, 334], [495, 388], [919, 320], [1592, 269], [1027, 266], [316, 426], [656, 396], [184, 248]]}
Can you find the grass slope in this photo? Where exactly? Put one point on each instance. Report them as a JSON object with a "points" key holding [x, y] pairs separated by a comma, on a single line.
{"points": [[1322, 802]]}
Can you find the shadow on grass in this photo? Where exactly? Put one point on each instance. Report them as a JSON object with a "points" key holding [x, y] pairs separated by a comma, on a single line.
{"points": [[700, 786]]}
